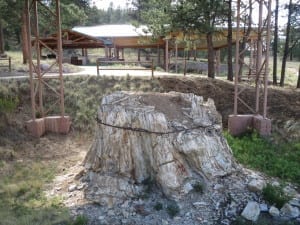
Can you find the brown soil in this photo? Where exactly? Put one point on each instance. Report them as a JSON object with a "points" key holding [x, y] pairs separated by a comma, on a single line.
{"points": [[168, 104], [283, 104]]}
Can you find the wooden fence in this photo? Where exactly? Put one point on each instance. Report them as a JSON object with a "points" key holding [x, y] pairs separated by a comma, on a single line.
{"points": [[6, 63], [134, 63]]}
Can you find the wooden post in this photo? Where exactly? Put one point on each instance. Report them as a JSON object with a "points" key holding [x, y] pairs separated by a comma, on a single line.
{"points": [[115, 52], [109, 50], [259, 57], [118, 54], [218, 56], [167, 56], [60, 55], [1, 39], [158, 55], [9, 64], [29, 48], [237, 56], [24, 38], [152, 69], [98, 73], [106, 52], [139, 54], [298, 82], [176, 57], [38, 58], [184, 70]]}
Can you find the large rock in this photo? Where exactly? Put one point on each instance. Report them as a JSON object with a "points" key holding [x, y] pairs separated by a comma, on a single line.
{"points": [[172, 139], [251, 211], [273, 211], [256, 185], [289, 211]]}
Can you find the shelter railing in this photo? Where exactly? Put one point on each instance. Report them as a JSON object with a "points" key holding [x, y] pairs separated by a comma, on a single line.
{"points": [[143, 65]]}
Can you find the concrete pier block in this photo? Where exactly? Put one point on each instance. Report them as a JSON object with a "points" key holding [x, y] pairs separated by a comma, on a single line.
{"points": [[55, 124], [58, 124], [262, 125], [36, 127], [239, 124]]}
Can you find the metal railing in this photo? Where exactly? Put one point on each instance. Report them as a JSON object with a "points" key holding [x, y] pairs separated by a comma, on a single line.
{"points": [[139, 63], [5, 65]]}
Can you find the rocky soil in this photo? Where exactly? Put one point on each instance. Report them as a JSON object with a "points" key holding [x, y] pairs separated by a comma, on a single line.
{"points": [[222, 201]]}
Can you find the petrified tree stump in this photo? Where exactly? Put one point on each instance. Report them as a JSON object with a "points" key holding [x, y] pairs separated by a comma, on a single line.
{"points": [[175, 139]]}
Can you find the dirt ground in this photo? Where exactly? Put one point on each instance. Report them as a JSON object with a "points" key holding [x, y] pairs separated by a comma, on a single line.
{"points": [[283, 104]]}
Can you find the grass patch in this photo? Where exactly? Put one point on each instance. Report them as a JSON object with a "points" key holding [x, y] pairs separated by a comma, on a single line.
{"points": [[282, 160], [80, 220], [23, 201], [275, 195]]}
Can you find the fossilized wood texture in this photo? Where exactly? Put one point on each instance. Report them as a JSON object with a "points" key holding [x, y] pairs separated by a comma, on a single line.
{"points": [[173, 138]]}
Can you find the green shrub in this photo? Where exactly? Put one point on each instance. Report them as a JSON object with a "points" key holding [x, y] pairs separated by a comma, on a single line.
{"points": [[80, 220], [173, 209], [158, 206], [275, 195], [149, 184], [282, 160], [8, 104], [198, 187]]}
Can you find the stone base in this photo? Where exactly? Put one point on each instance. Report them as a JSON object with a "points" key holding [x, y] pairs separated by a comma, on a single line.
{"points": [[239, 124], [58, 124], [262, 125], [36, 127], [55, 124]]}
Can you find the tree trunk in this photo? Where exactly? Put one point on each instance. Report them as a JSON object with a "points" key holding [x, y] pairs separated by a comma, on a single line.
{"points": [[275, 44], [298, 83], [291, 55], [286, 46], [229, 43], [138, 138], [24, 39], [1, 39], [210, 55]]}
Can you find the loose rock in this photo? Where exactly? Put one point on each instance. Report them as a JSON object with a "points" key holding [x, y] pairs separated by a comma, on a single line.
{"points": [[289, 211], [251, 211], [256, 185], [72, 187], [273, 211]]}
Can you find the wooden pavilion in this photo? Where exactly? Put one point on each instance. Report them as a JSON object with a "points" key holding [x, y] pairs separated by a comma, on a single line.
{"points": [[115, 38]]}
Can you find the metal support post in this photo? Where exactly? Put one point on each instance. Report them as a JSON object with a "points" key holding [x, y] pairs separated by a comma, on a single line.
{"points": [[38, 77], [258, 67]]}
